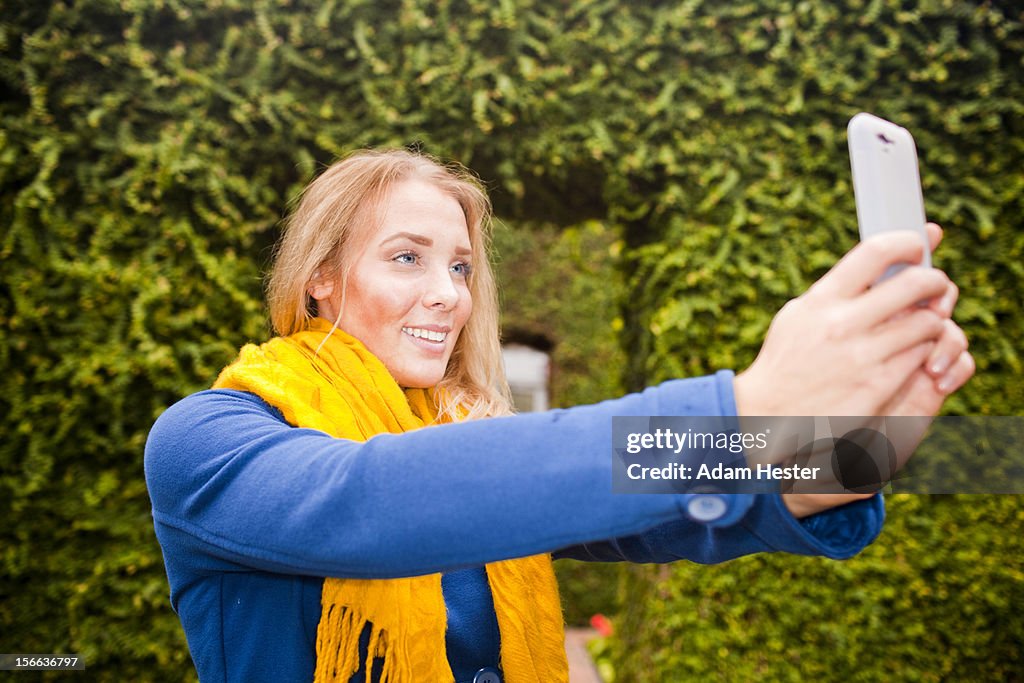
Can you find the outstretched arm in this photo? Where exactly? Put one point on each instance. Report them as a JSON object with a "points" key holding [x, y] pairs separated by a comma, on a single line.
{"points": [[233, 485]]}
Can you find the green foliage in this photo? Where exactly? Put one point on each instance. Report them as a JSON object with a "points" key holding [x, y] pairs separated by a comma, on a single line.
{"points": [[745, 196], [148, 149], [935, 598], [561, 285], [588, 588]]}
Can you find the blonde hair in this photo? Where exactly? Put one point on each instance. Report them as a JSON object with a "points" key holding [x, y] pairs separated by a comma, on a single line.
{"points": [[325, 228]]}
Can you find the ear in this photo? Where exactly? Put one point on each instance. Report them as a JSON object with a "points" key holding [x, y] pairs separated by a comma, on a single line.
{"points": [[320, 288]]}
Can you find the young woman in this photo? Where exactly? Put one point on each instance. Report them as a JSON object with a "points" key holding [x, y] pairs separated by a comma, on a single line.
{"points": [[313, 529]]}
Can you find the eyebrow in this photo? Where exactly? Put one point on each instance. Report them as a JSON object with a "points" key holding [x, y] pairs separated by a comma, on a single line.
{"points": [[425, 241]]}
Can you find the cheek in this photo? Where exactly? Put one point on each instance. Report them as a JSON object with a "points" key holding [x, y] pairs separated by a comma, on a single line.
{"points": [[376, 305], [392, 305]]}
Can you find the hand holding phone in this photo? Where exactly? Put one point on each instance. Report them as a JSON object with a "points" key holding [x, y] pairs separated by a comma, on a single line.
{"points": [[886, 182]]}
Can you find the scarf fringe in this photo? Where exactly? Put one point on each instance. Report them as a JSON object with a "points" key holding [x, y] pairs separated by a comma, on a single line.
{"points": [[337, 643]]}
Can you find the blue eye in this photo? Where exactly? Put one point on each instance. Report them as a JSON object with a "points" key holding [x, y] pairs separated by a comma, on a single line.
{"points": [[406, 257], [463, 269]]}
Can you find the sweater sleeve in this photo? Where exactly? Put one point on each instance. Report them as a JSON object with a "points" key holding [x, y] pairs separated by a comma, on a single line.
{"points": [[235, 487], [839, 533]]}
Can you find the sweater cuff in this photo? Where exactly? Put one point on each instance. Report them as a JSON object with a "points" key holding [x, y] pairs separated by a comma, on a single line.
{"points": [[710, 396], [838, 533]]}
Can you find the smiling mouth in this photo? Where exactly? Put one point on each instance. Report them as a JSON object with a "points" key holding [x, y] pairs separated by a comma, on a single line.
{"points": [[429, 335]]}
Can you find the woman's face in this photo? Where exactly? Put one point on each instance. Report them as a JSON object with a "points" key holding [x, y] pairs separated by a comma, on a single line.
{"points": [[407, 296]]}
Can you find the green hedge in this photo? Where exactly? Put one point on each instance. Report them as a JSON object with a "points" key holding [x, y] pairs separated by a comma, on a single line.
{"points": [[560, 287], [148, 149], [746, 185]]}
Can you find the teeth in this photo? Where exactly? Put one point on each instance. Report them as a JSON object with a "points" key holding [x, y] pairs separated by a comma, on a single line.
{"points": [[425, 334]]}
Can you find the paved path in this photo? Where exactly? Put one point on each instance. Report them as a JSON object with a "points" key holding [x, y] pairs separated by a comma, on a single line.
{"points": [[581, 668]]}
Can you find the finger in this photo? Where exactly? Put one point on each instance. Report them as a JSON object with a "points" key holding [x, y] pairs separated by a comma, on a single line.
{"points": [[961, 371], [934, 235], [947, 349], [917, 397], [900, 366], [889, 380], [868, 261], [901, 291], [945, 304], [917, 327]]}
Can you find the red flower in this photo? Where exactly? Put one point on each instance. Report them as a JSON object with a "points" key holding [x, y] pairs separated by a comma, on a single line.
{"points": [[602, 625]]}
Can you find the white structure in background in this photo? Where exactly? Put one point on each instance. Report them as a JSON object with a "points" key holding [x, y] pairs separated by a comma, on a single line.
{"points": [[527, 370]]}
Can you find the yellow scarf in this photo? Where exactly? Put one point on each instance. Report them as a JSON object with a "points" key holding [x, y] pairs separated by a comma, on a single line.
{"points": [[344, 390]]}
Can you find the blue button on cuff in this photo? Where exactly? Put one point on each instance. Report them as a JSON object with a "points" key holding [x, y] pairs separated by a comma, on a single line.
{"points": [[488, 674], [717, 509], [706, 508]]}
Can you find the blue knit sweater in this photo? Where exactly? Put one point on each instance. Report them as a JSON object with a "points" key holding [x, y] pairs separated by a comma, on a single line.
{"points": [[252, 513]]}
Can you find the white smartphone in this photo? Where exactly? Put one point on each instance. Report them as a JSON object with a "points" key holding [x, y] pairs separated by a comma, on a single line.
{"points": [[886, 181]]}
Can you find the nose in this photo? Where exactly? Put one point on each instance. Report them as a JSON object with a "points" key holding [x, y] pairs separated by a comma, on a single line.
{"points": [[441, 292]]}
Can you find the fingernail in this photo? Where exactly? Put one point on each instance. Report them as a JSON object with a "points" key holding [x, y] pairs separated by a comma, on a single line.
{"points": [[946, 304], [939, 365], [945, 384]]}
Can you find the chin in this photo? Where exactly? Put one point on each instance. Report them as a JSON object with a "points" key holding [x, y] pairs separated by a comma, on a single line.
{"points": [[419, 381]]}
